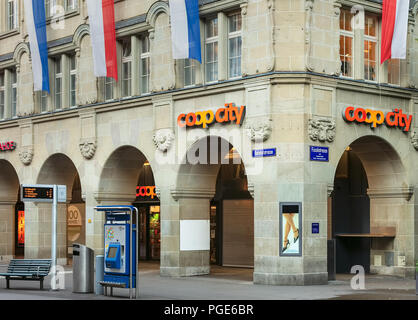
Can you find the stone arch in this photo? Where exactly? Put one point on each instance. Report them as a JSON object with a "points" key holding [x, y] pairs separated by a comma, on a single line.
{"points": [[21, 48], [79, 33], [119, 175], [155, 10]]}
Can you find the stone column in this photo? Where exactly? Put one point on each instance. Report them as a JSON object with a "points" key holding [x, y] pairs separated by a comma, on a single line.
{"points": [[7, 229], [180, 210]]}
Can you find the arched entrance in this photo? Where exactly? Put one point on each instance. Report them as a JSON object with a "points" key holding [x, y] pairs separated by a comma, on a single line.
{"points": [[11, 245], [370, 208], [127, 179], [212, 188], [71, 221]]}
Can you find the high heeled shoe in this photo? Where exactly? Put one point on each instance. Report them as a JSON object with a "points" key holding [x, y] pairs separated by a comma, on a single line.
{"points": [[296, 239], [287, 246]]}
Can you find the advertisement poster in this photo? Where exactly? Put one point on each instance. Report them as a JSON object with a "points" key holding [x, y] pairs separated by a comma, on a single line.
{"points": [[290, 229]]}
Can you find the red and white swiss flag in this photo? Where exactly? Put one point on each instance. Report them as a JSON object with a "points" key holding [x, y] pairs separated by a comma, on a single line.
{"points": [[394, 29], [103, 37]]}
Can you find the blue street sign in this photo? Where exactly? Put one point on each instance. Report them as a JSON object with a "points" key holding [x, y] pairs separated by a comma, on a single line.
{"points": [[315, 228], [264, 153], [319, 153]]}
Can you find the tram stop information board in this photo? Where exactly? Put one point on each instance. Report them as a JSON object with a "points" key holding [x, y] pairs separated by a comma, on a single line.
{"points": [[43, 193]]}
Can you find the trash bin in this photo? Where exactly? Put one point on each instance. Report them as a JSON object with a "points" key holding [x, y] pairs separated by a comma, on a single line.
{"points": [[99, 274], [83, 269]]}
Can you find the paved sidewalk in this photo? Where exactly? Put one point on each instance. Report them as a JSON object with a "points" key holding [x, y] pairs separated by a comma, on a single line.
{"points": [[222, 284]]}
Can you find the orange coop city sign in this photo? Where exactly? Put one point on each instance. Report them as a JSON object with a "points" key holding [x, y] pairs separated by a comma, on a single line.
{"points": [[21, 228]]}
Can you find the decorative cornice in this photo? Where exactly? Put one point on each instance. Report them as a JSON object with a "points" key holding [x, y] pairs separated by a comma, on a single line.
{"points": [[113, 197], [414, 139], [322, 129], [192, 193], [402, 192]]}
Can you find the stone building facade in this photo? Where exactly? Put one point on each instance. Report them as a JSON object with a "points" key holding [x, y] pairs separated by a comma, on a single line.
{"points": [[296, 66]]}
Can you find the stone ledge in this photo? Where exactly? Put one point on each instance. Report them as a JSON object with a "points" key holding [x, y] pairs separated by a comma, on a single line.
{"points": [[403, 272], [177, 272], [300, 279]]}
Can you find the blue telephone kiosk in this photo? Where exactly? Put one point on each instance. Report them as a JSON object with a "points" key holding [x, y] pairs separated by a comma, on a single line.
{"points": [[120, 243]]}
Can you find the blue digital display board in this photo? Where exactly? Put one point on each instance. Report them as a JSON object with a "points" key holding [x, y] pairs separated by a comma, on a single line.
{"points": [[319, 153]]}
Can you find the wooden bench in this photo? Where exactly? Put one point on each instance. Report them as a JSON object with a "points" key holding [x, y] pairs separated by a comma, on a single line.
{"points": [[28, 270]]}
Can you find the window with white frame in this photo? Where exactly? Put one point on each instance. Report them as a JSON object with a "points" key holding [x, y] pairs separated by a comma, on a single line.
{"points": [[145, 65], [394, 71], [211, 50], [346, 43], [50, 8], [126, 67], [71, 5], [43, 101], [58, 83], [234, 45], [73, 81], [108, 88], [189, 72], [12, 14], [2, 96], [370, 48], [13, 111]]}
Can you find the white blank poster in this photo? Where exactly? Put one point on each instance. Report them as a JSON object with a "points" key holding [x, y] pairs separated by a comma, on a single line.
{"points": [[194, 235]]}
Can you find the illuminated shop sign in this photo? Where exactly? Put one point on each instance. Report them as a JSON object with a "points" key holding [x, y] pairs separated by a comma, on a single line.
{"points": [[21, 228], [375, 118], [148, 191], [229, 114], [8, 146]]}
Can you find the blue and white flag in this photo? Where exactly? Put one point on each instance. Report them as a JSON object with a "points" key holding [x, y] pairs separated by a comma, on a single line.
{"points": [[36, 27], [185, 29]]}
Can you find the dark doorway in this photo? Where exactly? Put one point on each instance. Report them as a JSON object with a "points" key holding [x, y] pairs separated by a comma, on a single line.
{"points": [[351, 214]]}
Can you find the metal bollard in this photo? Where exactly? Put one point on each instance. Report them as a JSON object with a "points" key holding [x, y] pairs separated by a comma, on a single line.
{"points": [[99, 274]]}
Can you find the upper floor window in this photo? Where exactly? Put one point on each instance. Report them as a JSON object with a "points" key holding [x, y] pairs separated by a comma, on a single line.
{"points": [[126, 68], [234, 45], [2, 94], [189, 72], [73, 81], [12, 17], [59, 7], [394, 71], [108, 88], [145, 65], [211, 50], [346, 43], [57, 82], [370, 48], [13, 111], [43, 101], [70, 5]]}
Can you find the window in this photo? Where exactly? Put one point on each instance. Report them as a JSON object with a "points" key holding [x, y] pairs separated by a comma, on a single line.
{"points": [[109, 84], [70, 5], [13, 111], [12, 17], [73, 81], [370, 48], [2, 96], [50, 8], [58, 82], [126, 68], [43, 101], [211, 50], [145, 65], [394, 71], [189, 72], [234, 45], [346, 43]]}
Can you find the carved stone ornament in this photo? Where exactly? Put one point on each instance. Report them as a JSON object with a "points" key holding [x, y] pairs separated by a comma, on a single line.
{"points": [[414, 139], [163, 139], [322, 129], [88, 149], [26, 156], [259, 130]]}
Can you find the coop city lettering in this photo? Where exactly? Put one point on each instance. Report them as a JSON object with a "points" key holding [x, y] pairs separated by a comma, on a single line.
{"points": [[146, 192], [8, 146], [375, 118], [230, 113]]}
